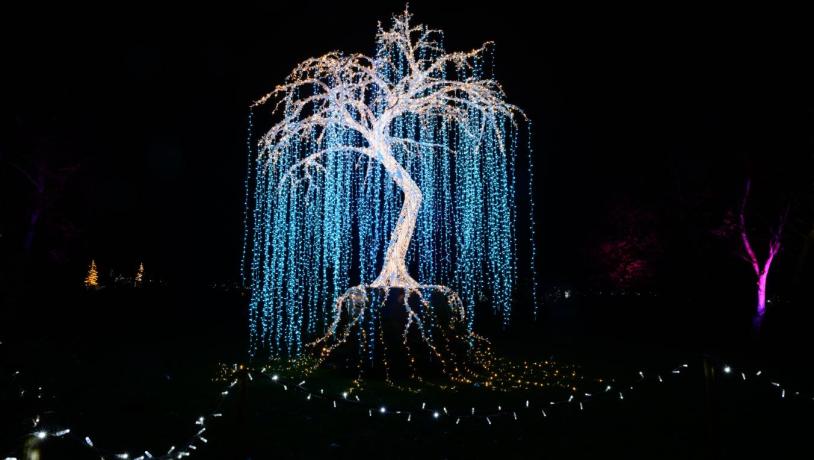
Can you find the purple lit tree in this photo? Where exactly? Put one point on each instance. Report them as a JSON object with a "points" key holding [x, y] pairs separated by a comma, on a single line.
{"points": [[761, 269]]}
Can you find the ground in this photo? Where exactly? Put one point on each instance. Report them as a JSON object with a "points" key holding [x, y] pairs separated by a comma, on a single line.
{"points": [[135, 368]]}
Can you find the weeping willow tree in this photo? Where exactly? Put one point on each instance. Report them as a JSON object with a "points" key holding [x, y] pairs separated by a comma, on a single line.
{"points": [[378, 168]]}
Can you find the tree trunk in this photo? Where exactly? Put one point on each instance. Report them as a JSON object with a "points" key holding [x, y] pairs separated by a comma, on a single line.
{"points": [[394, 270], [761, 292]]}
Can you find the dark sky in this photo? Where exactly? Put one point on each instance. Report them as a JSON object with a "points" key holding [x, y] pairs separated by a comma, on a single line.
{"points": [[150, 102]]}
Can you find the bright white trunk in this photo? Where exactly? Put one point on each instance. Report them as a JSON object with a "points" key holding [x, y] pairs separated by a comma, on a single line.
{"points": [[394, 270]]}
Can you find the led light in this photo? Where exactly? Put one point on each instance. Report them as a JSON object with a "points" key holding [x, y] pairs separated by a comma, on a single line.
{"points": [[435, 414], [367, 156], [382, 410], [41, 434], [727, 369]]}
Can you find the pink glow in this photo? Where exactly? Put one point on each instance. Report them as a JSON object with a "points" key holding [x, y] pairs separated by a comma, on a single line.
{"points": [[761, 270], [761, 294]]}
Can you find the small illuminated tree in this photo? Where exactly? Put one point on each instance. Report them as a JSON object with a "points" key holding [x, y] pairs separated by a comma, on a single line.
{"points": [[92, 278], [410, 104], [139, 275]]}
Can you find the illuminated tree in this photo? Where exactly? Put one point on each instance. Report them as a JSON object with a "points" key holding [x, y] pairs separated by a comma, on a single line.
{"points": [[139, 275], [352, 132], [92, 278], [761, 269]]}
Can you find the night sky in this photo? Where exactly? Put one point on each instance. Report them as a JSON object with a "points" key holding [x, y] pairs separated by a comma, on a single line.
{"points": [[139, 113]]}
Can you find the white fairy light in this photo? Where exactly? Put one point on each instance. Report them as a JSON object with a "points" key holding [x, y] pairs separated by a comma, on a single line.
{"points": [[346, 129]]}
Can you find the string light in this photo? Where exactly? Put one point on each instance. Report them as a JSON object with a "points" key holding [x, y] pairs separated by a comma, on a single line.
{"points": [[381, 149], [87, 442]]}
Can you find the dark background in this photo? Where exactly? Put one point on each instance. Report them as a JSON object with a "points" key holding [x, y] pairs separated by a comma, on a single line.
{"points": [[646, 124], [664, 111]]}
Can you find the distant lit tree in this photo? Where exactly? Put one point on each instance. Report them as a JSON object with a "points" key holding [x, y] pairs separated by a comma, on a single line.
{"points": [[761, 268], [139, 275], [92, 278]]}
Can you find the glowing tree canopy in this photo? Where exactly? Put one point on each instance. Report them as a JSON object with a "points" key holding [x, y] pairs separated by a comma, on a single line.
{"points": [[376, 168], [92, 278]]}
